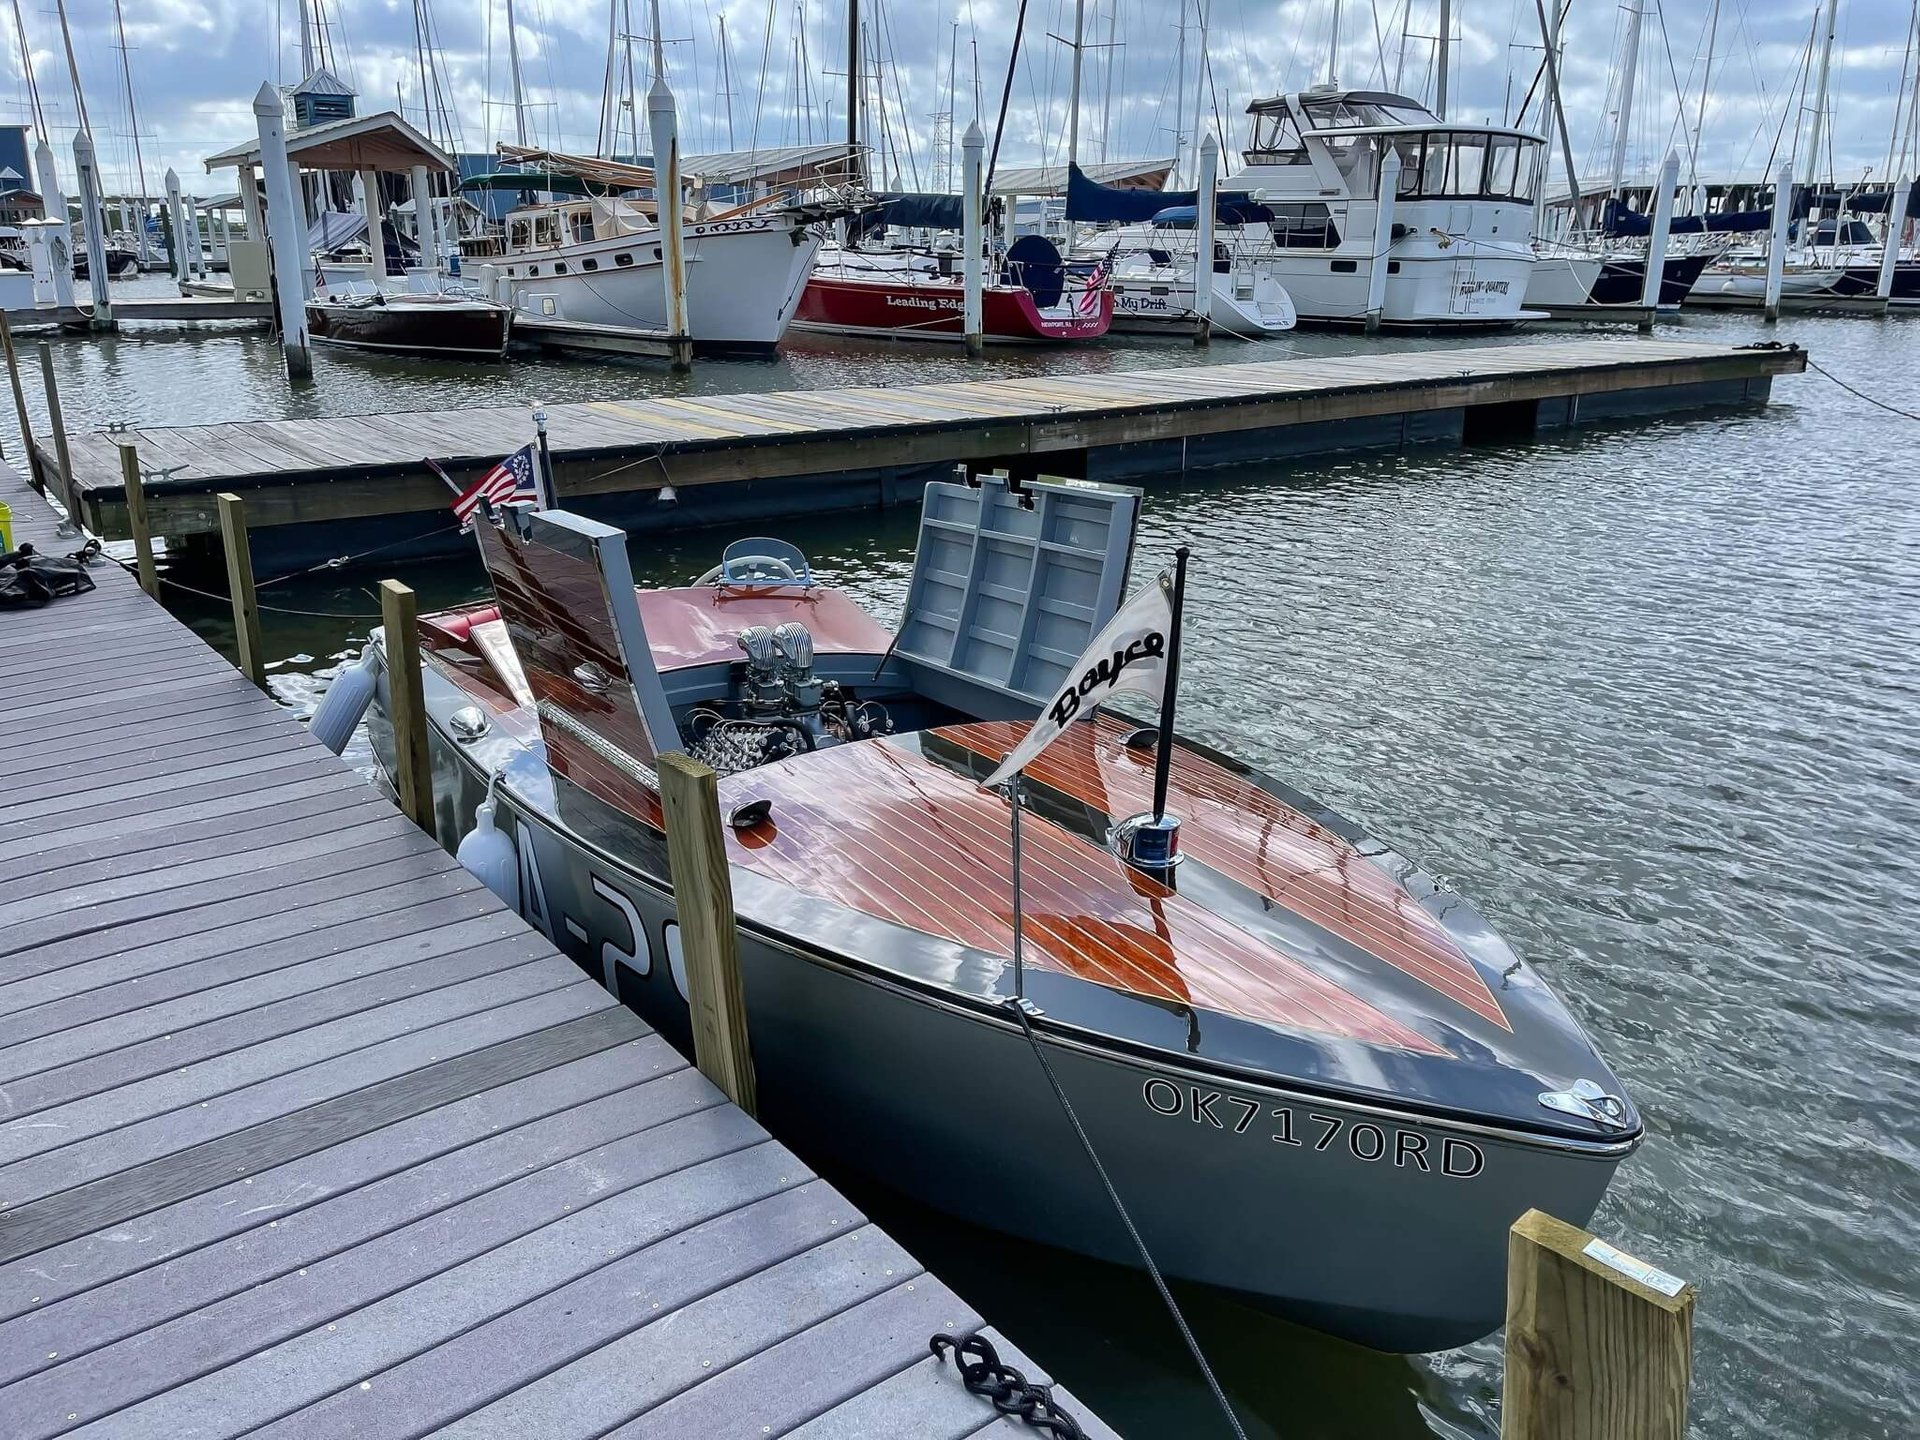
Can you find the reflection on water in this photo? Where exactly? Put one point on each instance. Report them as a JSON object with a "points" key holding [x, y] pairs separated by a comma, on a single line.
{"points": [[1646, 694]]}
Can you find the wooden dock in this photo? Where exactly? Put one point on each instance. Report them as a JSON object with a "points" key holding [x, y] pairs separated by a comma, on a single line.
{"points": [[320, 488], [306, 1135], [179, 309]]}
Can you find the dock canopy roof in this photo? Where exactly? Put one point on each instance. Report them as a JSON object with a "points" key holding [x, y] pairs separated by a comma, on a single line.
{"points": [[381, 141], [1052, 179]]}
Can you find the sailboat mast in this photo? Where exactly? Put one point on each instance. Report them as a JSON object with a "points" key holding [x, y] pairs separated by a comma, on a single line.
{"points": [[519, 89], [726, 75], [1106, 78], [856, 169], [73, 68], [1073, 83], [1444, 55], [1623, 114], [1333, 49], [1200, 85], [1180, 95], [306, 40], [1700, 116], [1807, 170], [133, 127]]}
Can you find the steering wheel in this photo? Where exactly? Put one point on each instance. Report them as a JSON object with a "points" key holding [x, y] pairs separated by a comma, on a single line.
{"points": [[756, 569]]}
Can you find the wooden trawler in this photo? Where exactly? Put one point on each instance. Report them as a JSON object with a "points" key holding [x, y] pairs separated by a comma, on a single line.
{"points": [[1318, 1078]]}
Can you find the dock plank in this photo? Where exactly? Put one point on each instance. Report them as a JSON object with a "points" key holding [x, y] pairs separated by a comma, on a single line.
{"points": [[304, 1132]]}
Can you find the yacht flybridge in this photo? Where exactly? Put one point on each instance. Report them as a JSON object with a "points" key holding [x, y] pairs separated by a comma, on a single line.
{"points": [[1456, 246]]}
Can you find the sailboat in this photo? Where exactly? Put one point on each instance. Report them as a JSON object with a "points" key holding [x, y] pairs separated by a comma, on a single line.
{"points": [[1320, 1080]]}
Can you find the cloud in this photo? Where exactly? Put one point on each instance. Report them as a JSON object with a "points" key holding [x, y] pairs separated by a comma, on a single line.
{"points": [[197, 63]]}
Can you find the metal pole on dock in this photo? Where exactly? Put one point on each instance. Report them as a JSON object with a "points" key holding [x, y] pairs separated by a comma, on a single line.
{"points": [[376, 224], [93, 222], [663, 125], [1598, 1344], [34, 477], [176, 217], [710, 938], [59, 433], [55, 202], [246, 607], [1204, 207], [1657, 239], [285, 232], [406, 703], [1777, 243], [973, 150], [250, 204], [423, 218], [1379, 267], [137, 518], [1890, 240]]}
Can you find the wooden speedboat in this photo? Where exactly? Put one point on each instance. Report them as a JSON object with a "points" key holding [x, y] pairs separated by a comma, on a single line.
{"points": [[461, 327], [1319, 1078]]}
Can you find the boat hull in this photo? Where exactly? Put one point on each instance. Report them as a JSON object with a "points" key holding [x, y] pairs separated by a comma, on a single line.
{"points": [[1385, 1228], [1161, 302], [895, 305], [477, 332], [744, 279]]}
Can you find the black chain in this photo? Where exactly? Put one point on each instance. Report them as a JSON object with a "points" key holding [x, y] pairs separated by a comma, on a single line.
{"points": [[982, 1372]]}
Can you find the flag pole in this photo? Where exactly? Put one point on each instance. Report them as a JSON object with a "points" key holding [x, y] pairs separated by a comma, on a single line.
{"points": [[1163, 750], [543, 478], [1015, 787]]}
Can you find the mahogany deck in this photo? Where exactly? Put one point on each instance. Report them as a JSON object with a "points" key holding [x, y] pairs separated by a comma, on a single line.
{"points": [[302, 1133], [846, 447]]}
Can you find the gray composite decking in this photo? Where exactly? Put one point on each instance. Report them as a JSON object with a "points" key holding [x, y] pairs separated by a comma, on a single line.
{"points": [[303, 1134]]}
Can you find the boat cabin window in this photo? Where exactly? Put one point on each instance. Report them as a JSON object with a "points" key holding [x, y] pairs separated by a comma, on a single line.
{"points": [[582, 226], [1440, 166], [1305, 225], [1276, 140], [1344, 112], [1853, 232]]}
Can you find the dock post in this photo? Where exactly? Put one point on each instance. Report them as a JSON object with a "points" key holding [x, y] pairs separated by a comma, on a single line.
{"points": [[376, 225], [1378, 266], [1204, 214], [54, 202], [250, 213], [1890, 239], [406, 703], [285, 232], [423, 218], [177, 221], [67, 497], [246, 605], [34, 477], [663, 124], [1777, 244], [93, 224], [973, 237], [710, 938], [137, 518], [1599, 1345], [1657, 238]]}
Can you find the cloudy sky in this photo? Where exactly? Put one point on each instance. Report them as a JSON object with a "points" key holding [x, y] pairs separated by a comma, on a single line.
{"points": [[197, 63]]}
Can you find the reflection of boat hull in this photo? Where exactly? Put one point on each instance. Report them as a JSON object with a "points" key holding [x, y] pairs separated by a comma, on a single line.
{"points": [[863, 1067], [430, 326], [901, 306]]}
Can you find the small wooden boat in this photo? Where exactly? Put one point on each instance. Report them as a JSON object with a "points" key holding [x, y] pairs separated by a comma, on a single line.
{"points": [[452, 326], [1320, 1080]]}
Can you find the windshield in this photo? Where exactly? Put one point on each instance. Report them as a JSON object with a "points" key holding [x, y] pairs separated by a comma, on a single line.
{"points": [[1345, 112], [1459, 167]]}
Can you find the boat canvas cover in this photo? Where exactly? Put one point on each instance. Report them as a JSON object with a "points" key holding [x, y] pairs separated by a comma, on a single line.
{"points": [[913, 211], [1009, 588], [1105, 204], [1620, 220]]}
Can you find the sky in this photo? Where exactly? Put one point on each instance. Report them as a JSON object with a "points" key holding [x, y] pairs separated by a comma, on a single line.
{"points": [[196, 64]]}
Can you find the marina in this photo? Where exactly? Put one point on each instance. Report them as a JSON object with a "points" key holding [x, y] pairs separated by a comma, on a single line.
{"points": [[1205, 733]]}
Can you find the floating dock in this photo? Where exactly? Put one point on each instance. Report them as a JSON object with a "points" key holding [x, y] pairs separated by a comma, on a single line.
{"points": [[315, 489], [305, 1134], [178, 309]]}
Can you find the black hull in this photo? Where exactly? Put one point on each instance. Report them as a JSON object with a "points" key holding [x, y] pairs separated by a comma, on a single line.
{"points": [[466, 334], [1623, 282]]}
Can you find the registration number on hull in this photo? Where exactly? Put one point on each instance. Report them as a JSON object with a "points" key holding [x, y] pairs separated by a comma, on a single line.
{"points": [[1316, 1131]]}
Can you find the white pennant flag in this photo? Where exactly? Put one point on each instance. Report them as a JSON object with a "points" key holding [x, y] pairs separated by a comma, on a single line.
{"points": [[1129, 654]]}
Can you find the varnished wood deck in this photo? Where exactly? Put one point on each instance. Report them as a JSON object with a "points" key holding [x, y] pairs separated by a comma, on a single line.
{"points": [[310, 472], [305, 1135]]}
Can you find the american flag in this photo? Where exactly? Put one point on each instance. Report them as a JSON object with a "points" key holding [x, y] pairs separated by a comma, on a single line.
{"points": [[511, 479], [1090, 297]]}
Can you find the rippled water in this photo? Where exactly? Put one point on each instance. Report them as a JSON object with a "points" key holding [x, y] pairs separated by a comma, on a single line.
{"points": [[1647, 694]]}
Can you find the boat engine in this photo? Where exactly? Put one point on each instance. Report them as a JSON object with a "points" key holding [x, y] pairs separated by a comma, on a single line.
{"points": [[785, 709]]}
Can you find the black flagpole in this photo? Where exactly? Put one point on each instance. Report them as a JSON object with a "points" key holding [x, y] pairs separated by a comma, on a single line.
{"points": [[543, 465], [1163, 751]]}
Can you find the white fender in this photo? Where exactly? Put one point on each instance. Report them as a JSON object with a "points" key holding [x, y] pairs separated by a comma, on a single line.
{"points": [[346, 701]]}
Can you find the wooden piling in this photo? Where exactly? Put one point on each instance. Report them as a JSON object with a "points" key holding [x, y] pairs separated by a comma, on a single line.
{"points": [[34, 476], [67, 496], [710, 938], [137, 518], [1597, 1347], [406, 703], [246, 608]]}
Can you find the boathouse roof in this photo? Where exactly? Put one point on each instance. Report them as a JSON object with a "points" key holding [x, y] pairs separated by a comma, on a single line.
{"points": [[381, 141]]}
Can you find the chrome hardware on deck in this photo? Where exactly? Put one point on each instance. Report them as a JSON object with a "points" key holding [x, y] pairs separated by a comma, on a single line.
{"points": [[1590, 1102]]}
